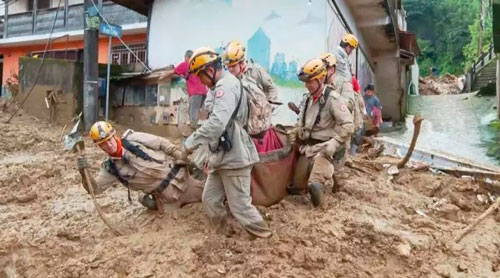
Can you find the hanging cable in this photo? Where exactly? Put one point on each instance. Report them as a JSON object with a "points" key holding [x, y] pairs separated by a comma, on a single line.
{"points": [[120, 39]]}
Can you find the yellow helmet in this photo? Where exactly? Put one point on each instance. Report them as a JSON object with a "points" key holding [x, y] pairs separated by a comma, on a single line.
{"points": [[312, 69], [101, 131], [350, 39], [201, 58], [234, 53], [329, 59]]}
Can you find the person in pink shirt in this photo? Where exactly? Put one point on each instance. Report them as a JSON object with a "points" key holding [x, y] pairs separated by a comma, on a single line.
{"points": [[197, 92]]}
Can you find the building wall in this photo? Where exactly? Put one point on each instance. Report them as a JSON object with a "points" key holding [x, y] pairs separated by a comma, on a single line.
{"points": [[12, 54], [68, 77], [20, 6], [280, 34]]}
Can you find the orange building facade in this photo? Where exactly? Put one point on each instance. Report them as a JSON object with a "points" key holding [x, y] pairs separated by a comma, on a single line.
{"points": [[11, 54]]}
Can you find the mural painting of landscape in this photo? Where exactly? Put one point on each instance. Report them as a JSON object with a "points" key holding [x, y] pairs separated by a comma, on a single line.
{"points": [[279, 36]]}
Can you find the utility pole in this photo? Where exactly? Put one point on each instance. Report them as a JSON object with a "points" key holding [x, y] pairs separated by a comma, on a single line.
{"points": [[498, 88], [481, 29], [90, 65]]}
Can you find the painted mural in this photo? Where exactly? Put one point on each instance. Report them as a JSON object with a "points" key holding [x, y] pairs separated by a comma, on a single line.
{"points": [[280, 35]]}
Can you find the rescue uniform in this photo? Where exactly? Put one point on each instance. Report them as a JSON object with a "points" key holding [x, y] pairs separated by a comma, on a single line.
{"points": [[145, 175], [229, 171], [343, 85], [332, 129]]}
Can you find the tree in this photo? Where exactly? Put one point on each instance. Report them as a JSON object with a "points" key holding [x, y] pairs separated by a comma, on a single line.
{"points": [[443, 29]]}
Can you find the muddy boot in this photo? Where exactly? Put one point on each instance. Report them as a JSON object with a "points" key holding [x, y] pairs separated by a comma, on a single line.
{"points": [[316, 192], [260, 229], [292, 190], [149, 202], [338, 184]]}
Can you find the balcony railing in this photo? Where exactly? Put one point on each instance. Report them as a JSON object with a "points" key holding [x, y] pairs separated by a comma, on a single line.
{"points": [[25, 24]]}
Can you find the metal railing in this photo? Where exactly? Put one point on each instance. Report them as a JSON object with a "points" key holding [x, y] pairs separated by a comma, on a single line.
{"points": [[24, 24], [481, 62]]}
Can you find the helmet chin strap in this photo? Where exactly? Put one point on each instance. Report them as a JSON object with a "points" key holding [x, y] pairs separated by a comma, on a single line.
{"points": [[212, 78]]}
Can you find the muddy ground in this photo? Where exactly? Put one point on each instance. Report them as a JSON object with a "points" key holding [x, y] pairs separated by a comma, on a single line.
{"points": [[375, 227], [444, 85]]}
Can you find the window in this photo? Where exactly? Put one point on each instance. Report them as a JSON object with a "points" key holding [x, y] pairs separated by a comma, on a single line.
{"points": [[41, 4], [121, 56], [67, 54]]}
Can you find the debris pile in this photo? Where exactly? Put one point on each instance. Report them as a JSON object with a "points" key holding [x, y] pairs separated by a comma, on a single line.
{"points": [[385, 222], [447, 84]]}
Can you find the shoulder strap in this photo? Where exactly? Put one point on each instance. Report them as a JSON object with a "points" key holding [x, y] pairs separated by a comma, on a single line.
{"points": [[305, 111], [137, 151], [166, 182], [328, 90], [111, 168], [235, 112]]}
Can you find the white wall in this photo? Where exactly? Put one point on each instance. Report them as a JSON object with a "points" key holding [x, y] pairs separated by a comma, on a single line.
{"points": [[20, 6], [294, 27], [182, 24]]}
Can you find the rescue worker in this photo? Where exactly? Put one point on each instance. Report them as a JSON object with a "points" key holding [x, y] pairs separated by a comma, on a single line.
{"points": [[325, 125], [353, 100], [142, 162], [231, 150], [258, 84], [343, 77]]}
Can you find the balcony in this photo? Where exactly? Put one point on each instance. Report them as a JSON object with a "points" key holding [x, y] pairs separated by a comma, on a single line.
{"points": [[68, 19]]}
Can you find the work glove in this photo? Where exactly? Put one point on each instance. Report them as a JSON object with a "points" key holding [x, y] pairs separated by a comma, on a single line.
{"points": [[292, 135], [185, 152], [330, 148], [82, 163]]}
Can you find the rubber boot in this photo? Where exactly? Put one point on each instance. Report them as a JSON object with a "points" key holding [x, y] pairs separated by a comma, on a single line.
{"points": [[316, 192], [260, 229], [149, 202]]}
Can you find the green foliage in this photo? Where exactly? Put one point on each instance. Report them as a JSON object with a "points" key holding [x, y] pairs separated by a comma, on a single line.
{"points": [[471, 49], [448, 32]]}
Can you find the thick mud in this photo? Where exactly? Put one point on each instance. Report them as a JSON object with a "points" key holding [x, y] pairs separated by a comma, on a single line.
{"points": [[377, 226]]}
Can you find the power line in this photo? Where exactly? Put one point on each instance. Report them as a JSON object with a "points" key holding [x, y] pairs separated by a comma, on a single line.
{"points": [[122, 42], [41, 65]]}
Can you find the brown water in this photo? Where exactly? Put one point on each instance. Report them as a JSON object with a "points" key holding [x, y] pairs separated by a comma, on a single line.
{"points": [[454, 124]]}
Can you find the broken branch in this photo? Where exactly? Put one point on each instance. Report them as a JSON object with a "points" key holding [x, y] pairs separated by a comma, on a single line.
{"points": [[417, 122]]}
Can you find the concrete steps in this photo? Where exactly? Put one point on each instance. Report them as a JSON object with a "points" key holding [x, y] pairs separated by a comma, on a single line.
{"points": [[486, 76]]}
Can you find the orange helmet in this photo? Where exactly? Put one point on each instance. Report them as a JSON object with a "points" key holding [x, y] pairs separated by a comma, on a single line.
{"points": [[101, 132], [329, 59], [312, 69], [201, 58], [234, 53], [351, 40]]}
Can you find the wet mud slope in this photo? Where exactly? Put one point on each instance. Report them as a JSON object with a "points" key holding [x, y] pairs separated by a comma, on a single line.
{"points": [[377, 226]]}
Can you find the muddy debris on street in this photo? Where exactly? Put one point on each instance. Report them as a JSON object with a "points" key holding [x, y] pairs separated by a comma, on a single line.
{"points": [[379, 225], [444, 85]]}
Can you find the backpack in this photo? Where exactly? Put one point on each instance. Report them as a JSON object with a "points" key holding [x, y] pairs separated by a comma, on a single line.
{"points": [[259, 108]]}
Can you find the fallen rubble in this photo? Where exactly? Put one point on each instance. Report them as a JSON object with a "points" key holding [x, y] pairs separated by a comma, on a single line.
{"points": [[444, 85]]}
